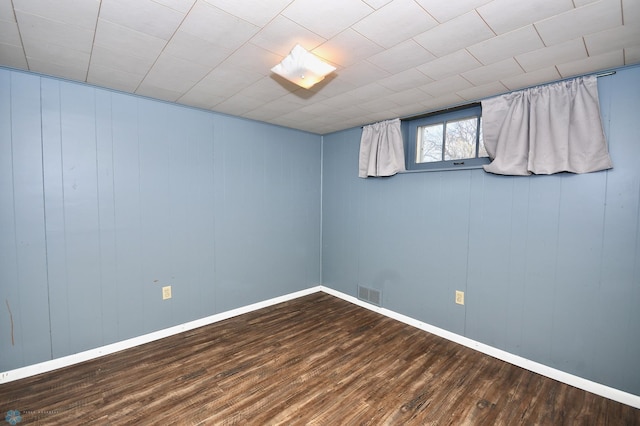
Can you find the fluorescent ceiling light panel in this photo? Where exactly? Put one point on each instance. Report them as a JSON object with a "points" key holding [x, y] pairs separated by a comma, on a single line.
{"points": [[302, 68]]}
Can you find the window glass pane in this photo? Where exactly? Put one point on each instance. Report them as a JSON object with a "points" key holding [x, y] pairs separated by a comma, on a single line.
{"points": [[482, 152], [429, 143], [461, 139]]}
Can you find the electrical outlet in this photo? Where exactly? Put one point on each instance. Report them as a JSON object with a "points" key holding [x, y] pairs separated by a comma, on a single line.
{"points": [[460, 297], [166, 292]]}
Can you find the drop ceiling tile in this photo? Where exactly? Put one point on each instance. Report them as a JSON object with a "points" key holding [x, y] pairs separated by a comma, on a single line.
{"points": [[588, 19], [174, 74], [446, 66], [253, 58], [449, 100], [481, 92], [267, 89], [356, 113], [145, 16], [36, 29], [128, 64], [226, 81], [362, 74], [67, 71], [6, 11], [445, 10], [113, 78], [332, 85], [376, 4], [613, 39], [347, 48], [237, 105], [568, 51], [408, 79], [592, 64], [631, 12], [9, 33], [57, 55], [81, 14], [395, 22], [455, 34], [282, 34], [507, 45], [182, 6], [317, 109], [412, 110], [301, 97], [507, 15], [401, 57], [200, 99], [295, 117], [229, 31], [12, 56], [194, 49], [632, 55], [328, 17], [258, 12], [126, 41], [267, 112], [373, 90], [491, 73], [379, 104], [161, 93], [447, 85], [339, 101], [409, 97], [541, 76]]}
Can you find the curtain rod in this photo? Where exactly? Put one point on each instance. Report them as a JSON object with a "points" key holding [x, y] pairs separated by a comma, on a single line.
{"points": [[472, 104]]}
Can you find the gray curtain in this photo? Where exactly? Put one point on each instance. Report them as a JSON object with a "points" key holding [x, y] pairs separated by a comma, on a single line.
{"points": [[546, 129], [381, 149]]}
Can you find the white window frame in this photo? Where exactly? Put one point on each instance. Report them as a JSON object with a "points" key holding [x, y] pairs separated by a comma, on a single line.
{"points": [[411, 128]]}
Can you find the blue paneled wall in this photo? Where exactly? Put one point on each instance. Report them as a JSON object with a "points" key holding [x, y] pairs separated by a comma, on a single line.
{"points": [[550, 265], [105, 198]]}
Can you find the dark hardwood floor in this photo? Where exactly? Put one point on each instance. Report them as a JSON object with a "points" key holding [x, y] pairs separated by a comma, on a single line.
{"points": [[315, 360]]}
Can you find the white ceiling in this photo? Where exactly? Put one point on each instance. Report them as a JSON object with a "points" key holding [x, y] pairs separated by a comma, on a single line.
{"points": [[394, 58]]}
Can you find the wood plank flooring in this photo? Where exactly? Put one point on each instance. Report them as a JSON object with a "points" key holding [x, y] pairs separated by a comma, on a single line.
{"points": [[316, 360]]}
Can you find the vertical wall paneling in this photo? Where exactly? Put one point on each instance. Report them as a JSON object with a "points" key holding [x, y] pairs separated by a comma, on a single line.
{"points": [[106, 197], [30, 306], [267, 197], [106, 216], [81, 218], [577, 270], [204, 211], [550, 265], [539, 301], [190, 193], [619, 276], [157, 202], [341, 211], [10, 327], [55, 218], [488, 277], [127, 214]]}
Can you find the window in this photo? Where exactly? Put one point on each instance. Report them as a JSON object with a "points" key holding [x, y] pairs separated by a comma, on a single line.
{"points": [[446, 140]]}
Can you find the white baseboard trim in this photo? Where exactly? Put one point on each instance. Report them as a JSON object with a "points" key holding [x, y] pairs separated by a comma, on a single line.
{"points": [[54, 364], [561, 376]]}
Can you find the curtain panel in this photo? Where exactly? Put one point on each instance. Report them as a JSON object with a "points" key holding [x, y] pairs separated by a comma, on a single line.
{"points": [[381, 149], [546, 129]]}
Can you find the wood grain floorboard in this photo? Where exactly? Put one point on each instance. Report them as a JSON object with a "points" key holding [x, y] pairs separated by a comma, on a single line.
{"points": [[316, 360]]}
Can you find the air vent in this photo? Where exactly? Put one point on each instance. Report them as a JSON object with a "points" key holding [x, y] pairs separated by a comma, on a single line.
{"points": [[370, 295]]}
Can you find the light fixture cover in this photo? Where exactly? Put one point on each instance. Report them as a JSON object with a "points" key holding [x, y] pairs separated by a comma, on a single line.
{"points": [[302, 68]]}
